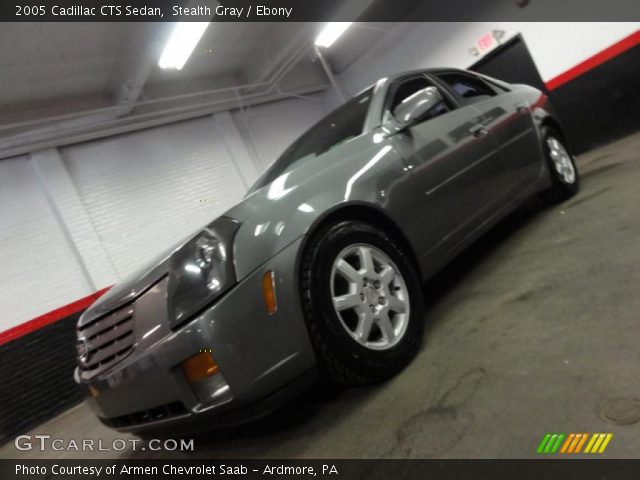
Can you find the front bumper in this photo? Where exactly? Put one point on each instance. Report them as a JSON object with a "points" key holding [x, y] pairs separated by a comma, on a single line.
{"points": [[258, 354]]}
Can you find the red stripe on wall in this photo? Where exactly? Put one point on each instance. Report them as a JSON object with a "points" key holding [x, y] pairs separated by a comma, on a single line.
{"points": [[598, 59], [51, 317]]}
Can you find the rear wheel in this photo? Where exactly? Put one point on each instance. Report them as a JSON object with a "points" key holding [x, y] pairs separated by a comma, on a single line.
{"points": [[363, 303], [562, 168]]}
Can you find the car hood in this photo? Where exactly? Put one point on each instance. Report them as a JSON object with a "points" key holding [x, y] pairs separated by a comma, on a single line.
{"points": [[134, 284]]}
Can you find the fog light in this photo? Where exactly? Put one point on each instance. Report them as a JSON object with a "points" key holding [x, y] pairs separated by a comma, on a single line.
{"points": [[269, 291], [199, 367]]}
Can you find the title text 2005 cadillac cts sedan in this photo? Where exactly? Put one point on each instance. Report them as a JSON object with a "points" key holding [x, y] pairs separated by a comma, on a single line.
{"points": [[319, 269]]}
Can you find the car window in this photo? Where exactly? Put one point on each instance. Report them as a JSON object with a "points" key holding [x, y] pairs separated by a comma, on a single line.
{"points": [[468, 87], [340, 126], [408, 87]]}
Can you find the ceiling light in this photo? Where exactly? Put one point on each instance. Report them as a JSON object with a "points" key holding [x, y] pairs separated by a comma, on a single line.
{"points": [[183, 40], [330, 33]]}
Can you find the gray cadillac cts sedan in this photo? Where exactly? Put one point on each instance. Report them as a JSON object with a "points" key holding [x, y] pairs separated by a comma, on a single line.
{"points": [[320, 268]]}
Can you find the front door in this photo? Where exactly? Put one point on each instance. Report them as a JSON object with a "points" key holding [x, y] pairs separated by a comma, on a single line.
{"points": [[456, 169]]}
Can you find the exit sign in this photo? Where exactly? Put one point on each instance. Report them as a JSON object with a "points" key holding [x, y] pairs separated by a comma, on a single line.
{"points": [[486, 42]]}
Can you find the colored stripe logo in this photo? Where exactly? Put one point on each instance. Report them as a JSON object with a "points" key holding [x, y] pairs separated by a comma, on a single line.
{"points": [[574, 443]]}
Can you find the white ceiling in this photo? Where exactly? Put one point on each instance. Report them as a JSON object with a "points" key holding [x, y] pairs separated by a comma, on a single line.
{"points": [[59, 81], [41, 61]]}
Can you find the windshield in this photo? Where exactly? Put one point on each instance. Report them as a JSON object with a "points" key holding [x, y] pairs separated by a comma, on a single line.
{"points": [[338, 127]]}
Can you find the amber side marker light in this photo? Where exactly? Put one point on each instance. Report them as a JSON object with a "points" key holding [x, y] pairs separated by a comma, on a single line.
{"points": [[269, 291], [199, 367]]}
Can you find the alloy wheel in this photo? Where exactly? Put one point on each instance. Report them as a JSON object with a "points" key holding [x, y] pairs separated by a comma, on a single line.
{"points": [[561, 160], [370, 296]]}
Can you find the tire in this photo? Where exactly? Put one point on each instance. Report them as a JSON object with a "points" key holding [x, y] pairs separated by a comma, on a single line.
{"points": [[565, 181], [388, 346]]}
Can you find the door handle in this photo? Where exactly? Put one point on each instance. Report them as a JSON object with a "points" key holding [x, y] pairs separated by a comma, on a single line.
{"points": [[521, 108], [478, 130]]}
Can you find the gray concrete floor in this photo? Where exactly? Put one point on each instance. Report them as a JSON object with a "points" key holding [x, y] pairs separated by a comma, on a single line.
{"points": [[535, 329]]}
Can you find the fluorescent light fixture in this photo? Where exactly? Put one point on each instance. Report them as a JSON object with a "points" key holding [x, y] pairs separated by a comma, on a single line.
{"points": [[183, 40], [330, 33]]}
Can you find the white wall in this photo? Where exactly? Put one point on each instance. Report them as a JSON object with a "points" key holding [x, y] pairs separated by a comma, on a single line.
{"points": [[40, 271], [555, 47], [272, 127], [77, 219], [146, 190]]}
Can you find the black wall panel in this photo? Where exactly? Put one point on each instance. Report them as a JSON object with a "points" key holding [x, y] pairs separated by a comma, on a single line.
{"points": [[511, 62], [595, 108], [602, 104], [37, 377]]}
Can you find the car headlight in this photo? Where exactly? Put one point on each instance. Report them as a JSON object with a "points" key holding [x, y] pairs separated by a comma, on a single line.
{"points": [[201, 270]]}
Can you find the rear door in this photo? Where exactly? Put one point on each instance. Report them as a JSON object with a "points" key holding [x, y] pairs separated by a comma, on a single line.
{"points": [[505, 114], [455, 167]]}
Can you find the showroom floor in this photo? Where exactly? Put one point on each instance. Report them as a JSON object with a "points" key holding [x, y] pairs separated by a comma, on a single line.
{"points": [[533, 330]]}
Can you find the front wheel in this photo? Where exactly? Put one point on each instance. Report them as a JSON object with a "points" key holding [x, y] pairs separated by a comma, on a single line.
{"points": [[561, 165], [363, 303]]}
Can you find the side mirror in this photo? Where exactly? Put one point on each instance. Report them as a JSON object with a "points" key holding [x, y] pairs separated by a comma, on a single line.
{"points": [[411, 109]]}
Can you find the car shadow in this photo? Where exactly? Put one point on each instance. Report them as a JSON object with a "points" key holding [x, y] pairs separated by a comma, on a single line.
{"points": [[457, 270]]}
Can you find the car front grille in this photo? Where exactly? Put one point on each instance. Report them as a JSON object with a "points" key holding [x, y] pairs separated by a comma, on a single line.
{"points": [[162, 412], [105, 341]]}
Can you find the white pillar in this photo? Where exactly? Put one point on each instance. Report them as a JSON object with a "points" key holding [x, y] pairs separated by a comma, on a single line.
{"points": [[227, 131], [73, 218]]}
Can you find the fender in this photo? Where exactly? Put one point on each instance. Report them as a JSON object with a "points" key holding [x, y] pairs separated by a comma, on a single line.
{"points": [[280, 213]]}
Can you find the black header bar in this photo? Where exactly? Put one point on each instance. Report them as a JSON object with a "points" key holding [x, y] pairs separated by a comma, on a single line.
{"points": [[547, 469], [318, 10]]}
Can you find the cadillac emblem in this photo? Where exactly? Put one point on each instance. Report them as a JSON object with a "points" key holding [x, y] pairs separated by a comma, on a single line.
{"points": [[82, 347]]}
